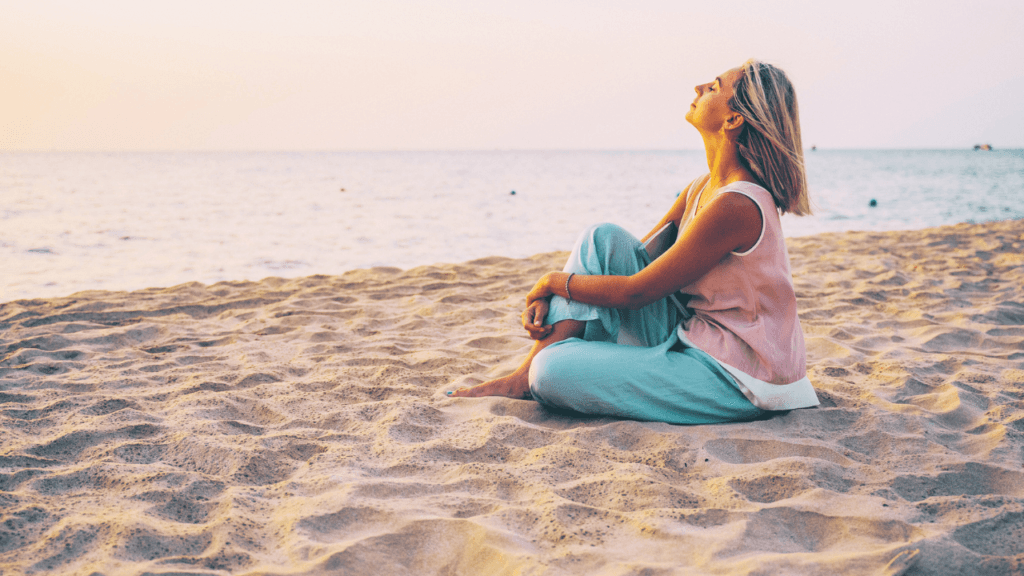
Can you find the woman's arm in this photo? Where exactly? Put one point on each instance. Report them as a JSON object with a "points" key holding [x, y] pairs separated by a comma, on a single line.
{"points": [[726, 224]]}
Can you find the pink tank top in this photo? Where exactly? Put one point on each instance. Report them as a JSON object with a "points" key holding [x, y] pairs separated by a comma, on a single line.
{"points": [[745, 307]]}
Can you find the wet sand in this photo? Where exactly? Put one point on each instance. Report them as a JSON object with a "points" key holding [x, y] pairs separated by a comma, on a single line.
{"points": [[300, 427]]}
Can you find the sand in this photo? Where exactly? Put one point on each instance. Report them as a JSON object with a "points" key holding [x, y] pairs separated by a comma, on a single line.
{"points": [[300, 427]]}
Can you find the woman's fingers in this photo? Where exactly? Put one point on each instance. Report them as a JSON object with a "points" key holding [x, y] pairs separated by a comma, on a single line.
{"points": [[533, 320], [539, 332], [540, 310], [529, 317], [536, 310], [534, 313]]}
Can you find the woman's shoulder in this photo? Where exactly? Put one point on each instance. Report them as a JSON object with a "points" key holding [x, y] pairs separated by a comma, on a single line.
{"points": [[752, 190], [746, 185]]}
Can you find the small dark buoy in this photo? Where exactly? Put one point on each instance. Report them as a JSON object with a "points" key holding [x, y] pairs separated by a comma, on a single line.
{"points": [[342, 189], [512, 193], [873, 203]]}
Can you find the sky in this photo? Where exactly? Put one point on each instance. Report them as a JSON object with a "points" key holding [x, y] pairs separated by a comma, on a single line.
{"points": [[486, 75]]}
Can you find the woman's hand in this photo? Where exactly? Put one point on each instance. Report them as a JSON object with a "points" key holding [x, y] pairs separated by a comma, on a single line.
{"points": [[541, 290], [533, 319]]}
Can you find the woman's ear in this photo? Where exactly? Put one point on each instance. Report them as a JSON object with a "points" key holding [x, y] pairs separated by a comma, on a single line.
{"points": [[735, 121]]}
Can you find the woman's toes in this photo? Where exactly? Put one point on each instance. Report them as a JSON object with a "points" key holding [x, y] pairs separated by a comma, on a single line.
{"points": [[509, 386]]}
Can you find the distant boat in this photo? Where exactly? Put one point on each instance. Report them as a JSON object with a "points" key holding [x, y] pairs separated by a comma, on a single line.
{"points": [[813, 148], [982, 146]]}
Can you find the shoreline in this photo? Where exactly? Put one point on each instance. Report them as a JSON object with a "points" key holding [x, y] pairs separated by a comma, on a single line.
{"points": [[389, 269], [294, 426]]}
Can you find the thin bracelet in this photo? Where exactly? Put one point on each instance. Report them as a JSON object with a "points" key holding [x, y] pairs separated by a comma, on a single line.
{"points": [[568, 295]]}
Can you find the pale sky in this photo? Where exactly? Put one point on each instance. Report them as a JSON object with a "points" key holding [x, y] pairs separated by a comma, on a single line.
{"points": [[483, 75]]}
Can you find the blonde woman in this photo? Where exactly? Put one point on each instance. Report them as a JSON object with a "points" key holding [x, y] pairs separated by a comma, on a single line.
{"points": [[609, 342]]}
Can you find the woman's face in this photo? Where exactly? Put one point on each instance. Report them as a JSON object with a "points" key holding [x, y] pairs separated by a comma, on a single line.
{"points": [[710, 109]]}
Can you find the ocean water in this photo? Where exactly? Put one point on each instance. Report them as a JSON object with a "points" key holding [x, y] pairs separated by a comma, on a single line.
{"points": [[123, 221]]}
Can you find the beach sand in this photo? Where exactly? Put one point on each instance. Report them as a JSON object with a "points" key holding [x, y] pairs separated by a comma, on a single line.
{"points": [[300, 427]]}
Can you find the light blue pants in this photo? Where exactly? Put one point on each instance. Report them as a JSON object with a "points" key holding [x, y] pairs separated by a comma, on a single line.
{"points": [[623, 365]]}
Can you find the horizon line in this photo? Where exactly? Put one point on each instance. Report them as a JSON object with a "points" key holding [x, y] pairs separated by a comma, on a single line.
{"points": [[458, 150]]}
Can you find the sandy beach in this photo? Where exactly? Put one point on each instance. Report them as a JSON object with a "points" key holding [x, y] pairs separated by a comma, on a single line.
{"points": [[300, 427]]}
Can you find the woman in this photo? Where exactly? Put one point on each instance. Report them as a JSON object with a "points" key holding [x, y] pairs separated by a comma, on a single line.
{"points": [[613, 345]]}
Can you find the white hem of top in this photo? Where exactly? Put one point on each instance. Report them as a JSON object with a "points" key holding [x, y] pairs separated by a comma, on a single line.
{"points": [[765, 395], [764, 223]]}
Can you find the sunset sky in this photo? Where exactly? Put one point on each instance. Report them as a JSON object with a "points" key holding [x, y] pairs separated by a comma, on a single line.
{"points": [[452, 75]]}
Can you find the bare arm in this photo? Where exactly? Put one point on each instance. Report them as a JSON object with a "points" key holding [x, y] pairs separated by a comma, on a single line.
{"points": [[728, 223]]}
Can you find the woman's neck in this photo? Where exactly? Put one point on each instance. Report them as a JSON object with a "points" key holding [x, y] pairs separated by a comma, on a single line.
{"points": [[725, 164]]}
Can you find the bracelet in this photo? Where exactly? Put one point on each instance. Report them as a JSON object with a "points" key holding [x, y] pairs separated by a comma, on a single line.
{"points": [[568, 295]]}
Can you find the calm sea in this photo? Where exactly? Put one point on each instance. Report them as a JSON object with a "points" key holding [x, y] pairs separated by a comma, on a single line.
{"points": [[122, 221]]}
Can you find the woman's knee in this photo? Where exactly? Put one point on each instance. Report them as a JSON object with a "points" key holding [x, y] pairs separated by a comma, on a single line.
{"points": [[605, 249], [607, 233]]}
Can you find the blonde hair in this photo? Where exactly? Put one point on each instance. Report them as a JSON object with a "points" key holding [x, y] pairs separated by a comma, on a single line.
{"points": [[770, 141]]}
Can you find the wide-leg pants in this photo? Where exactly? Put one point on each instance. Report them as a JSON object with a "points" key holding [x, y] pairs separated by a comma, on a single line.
{"points": [[624, 364]]}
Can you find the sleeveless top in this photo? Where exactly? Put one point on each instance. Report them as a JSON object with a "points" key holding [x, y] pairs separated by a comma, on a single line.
{"points": [[745, 313]]}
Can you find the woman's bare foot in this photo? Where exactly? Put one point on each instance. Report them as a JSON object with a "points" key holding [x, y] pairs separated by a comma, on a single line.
{"points": [[515, 385]]}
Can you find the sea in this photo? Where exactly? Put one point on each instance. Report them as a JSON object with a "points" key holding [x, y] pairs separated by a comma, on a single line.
{"points": [[72, 221]]}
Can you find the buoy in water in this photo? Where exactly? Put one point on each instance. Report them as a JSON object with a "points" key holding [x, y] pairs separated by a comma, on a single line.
{"points": [[873, 203], [512, 193]]}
